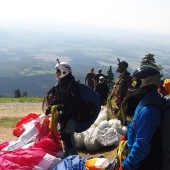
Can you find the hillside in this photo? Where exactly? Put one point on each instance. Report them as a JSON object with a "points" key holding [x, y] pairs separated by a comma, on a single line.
{"points": [[28, 57]]}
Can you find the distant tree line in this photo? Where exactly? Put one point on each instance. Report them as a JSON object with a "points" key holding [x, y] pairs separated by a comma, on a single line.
{"points": [[18, 93]]}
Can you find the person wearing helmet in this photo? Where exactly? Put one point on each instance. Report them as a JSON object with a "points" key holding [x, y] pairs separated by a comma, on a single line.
{"points": [[102, 89], [67, 98], [89, 78], [96, 77], [143, 135], [120, 88]]}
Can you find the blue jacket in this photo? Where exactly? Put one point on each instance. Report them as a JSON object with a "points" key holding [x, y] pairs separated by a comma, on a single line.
{"points": [[141, 131]]}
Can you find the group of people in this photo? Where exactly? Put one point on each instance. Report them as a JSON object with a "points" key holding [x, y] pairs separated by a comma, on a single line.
{"points": [[138, 87], [98, 83]]}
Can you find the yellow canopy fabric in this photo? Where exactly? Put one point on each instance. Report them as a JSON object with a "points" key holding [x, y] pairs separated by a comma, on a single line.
{"points": [[166, 85]]}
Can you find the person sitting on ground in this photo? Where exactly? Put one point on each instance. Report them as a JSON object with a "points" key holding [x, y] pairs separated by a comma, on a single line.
{"points": [[102, 89], [144, 134], [67, 99], [96, 77], [89, 78], [120, 88]]}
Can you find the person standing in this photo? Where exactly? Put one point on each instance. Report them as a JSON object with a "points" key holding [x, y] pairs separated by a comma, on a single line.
{"points": [[120, 88], [66, 97], [89, 78], [96, 77], [102, 89], [144, 131]]}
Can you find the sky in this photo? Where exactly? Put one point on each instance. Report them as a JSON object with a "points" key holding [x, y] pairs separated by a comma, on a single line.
{"points": [[143, 15]]}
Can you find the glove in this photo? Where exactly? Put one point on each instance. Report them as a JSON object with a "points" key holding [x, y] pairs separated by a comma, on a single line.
{"points": [[63, 114], [60, 107], [122, 138], [48, 110], [110, 98]]}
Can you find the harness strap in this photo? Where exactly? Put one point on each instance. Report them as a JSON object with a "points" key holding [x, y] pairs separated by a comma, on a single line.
{"points": [[121, 148], [54, 119]]}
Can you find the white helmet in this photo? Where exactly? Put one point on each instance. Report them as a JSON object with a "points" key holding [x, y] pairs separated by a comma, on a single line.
{"points": [[64, 68], [101, 79]]}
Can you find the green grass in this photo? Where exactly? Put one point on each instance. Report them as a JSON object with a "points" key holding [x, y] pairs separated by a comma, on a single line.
{"points": [[7, 122], [21, 99]]}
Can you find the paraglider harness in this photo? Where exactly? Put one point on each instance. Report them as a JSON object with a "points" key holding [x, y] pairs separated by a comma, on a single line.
{"points": [[123, 151]]}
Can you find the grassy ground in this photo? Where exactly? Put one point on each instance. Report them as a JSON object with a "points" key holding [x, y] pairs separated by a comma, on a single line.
{"points": [[9, 122], [21, 99]]}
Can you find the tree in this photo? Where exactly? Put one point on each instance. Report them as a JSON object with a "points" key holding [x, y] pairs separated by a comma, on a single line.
{"points": [[150, 60], [110, 77], [17, 93], [24, 94]]}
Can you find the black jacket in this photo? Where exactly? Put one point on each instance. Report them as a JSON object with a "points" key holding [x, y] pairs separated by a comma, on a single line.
{"points": [[67, 94], [102, 89]]}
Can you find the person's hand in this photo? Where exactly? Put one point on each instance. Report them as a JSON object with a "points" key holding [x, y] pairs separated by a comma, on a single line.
{"points": [[109, 98], [122, 138], [63, 116], [60, 107], [48, 110]]}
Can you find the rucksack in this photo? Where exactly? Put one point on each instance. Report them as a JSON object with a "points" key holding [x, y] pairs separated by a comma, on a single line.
{"points": [[165, 132], [89, 109], [164, 107]]}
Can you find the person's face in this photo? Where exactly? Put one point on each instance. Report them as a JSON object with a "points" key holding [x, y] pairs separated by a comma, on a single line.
{"points": [[92, 70], [58, 73], [120, 69]]}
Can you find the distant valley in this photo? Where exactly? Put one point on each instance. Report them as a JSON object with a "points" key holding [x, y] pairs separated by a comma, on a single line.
{"points": [[28, 58]]}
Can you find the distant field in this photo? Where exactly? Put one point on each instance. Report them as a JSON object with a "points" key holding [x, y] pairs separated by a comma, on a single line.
{"points": [[28, 58], [21, 99]]}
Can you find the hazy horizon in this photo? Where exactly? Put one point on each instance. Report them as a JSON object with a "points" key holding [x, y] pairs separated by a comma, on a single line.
{"points": [[139, 16], [87, 33]]}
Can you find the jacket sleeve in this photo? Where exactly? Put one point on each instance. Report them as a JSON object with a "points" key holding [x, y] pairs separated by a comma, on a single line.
{"points": [[74, 105], [140, 134], [54, 95]]}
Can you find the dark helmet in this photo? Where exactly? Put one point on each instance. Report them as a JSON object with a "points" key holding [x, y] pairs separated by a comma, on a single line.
{"points": [[99, 70], [142, 77], [123, 64]]}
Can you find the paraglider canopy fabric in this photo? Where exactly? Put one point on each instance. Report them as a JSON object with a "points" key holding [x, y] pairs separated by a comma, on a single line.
{"points": [[89, 109], [166, 85]]}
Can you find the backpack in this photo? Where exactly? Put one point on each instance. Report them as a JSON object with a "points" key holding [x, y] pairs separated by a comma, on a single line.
{"points": [[164, 107], [89, 109], [165, 131], [90, 106]]}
